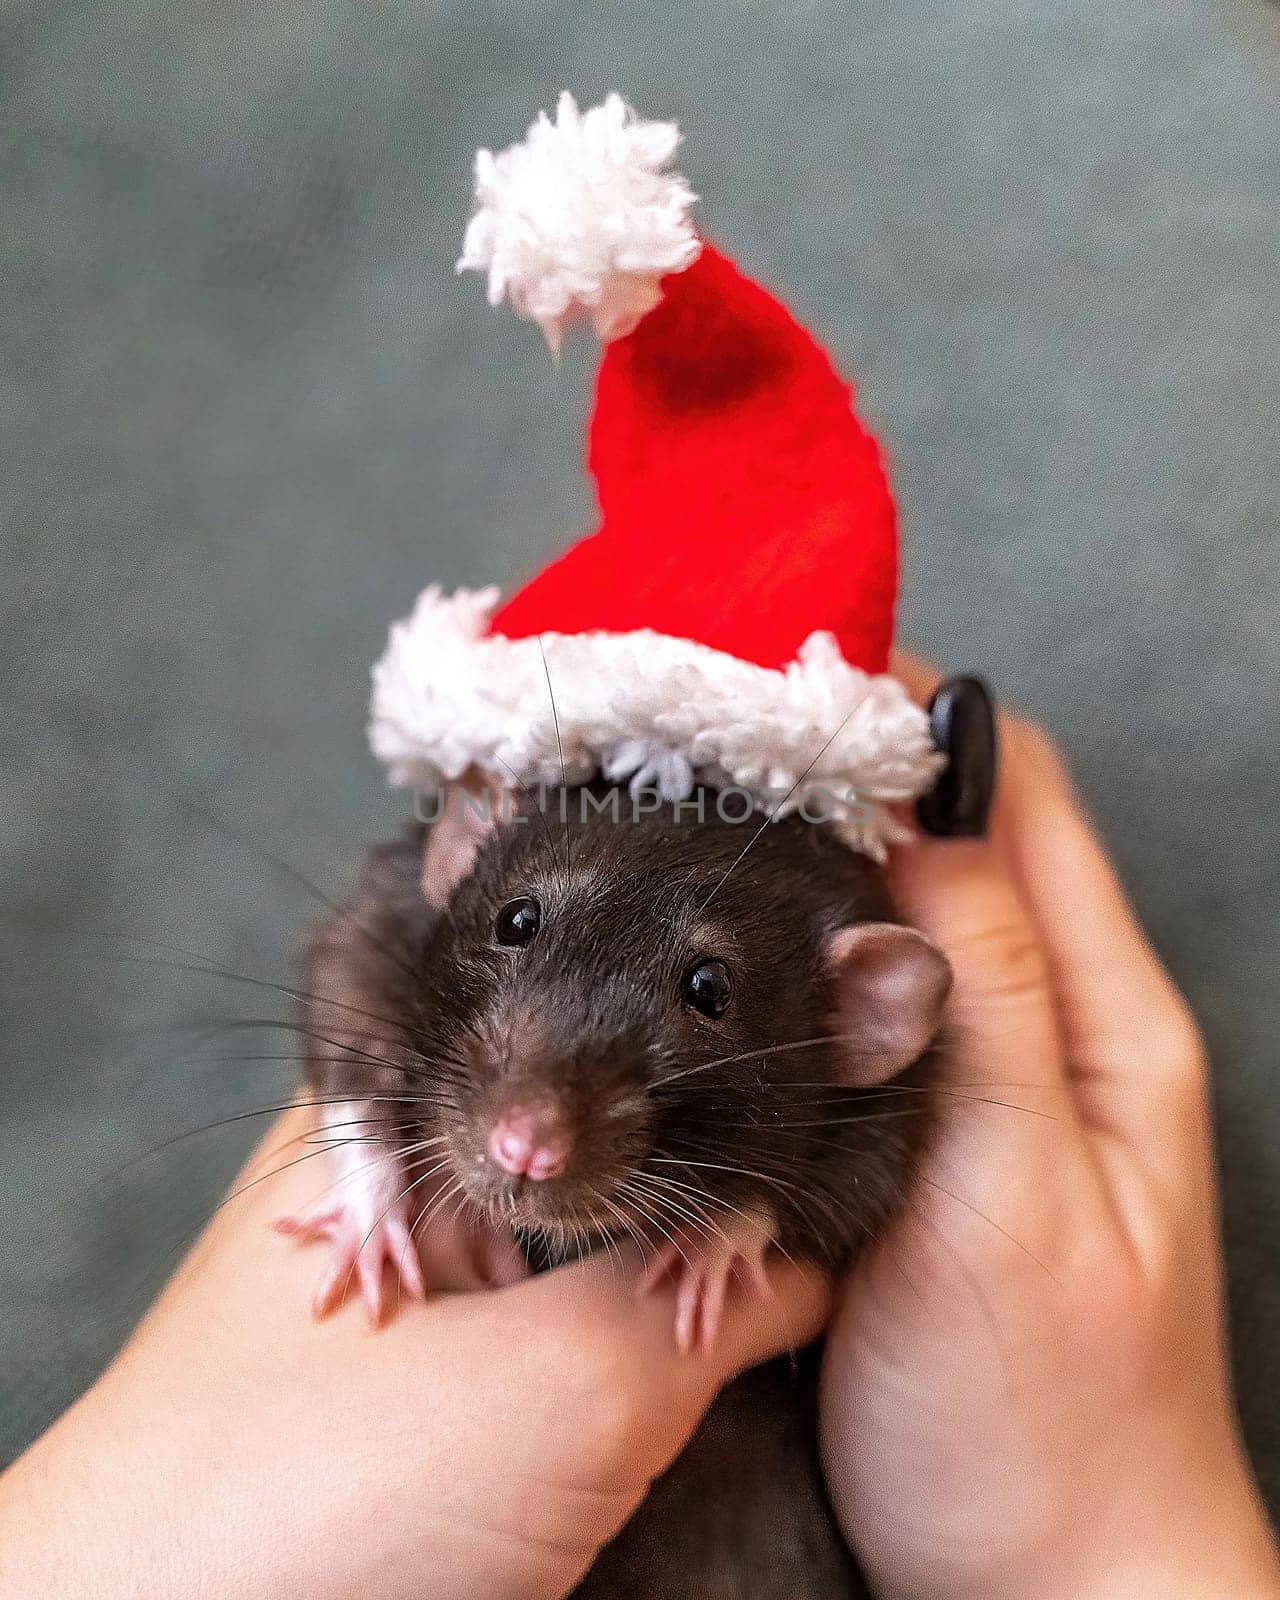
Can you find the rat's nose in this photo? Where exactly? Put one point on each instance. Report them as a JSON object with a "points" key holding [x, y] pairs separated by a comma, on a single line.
{"points": [[529, 1145]]}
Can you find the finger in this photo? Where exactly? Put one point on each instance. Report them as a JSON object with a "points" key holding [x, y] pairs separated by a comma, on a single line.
{"points": [[1004, 1042], [1131, 1049], [671, 1389], [1003, 1023], [1134, 1052], [919, 677]]}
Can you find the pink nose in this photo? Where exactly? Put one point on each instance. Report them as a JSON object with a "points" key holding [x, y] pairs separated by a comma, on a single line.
{"points": [[529, 1146]]}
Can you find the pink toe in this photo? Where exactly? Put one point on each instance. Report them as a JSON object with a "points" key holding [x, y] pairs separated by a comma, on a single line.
{"points": [[756, 1277], [330, 1289], [369, 1271], [411, 1274], [307, 1225], [658, 1268], [687, 1296], [408, 1266], [712, 1307]]}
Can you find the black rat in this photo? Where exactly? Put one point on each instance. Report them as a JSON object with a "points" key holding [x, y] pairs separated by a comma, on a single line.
{"points": [[547, 1022]]}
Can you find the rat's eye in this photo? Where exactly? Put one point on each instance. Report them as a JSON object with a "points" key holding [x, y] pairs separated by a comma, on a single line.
{"points": [[518, 921], [708, 988]]}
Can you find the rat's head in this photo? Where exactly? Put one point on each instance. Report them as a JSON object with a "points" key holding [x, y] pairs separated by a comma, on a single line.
{"points": [[619, 1008]]}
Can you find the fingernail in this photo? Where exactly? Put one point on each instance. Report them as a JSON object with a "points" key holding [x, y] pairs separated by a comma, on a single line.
{"points": [[962, 720]]}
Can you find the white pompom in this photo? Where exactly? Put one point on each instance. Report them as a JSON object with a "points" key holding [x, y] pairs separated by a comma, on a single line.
{"points": [[580, 219]]}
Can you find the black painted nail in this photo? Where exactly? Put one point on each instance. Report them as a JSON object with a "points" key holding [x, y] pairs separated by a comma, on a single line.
{"points": [[962, 718]]}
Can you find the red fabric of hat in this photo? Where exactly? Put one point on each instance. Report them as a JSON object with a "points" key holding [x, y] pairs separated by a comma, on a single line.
{"points": [[743, 505]]}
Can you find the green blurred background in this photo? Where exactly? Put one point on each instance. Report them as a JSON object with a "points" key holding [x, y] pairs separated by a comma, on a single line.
{"points": [[248, 411]]}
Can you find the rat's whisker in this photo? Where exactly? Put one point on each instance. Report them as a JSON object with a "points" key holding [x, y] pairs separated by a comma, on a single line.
{"points": [[446, 1194], [722, 1166], [840, 1095], [808, 1200], [635, 1198], [288, 870], [609, 1243], [277, 1109], [379, 944], [793, 1129], [968, 1099], [755, 837], [536, 805], [660, 1215], [203, 966], [771, 1050], [211, 1028], [704, 1196], [564, 778], [923, 1177], [687, 1208], [322, 1150], [974, 1285]]}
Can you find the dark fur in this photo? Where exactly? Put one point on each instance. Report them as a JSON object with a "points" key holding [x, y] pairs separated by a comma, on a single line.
{"points": [[591, 1012]]}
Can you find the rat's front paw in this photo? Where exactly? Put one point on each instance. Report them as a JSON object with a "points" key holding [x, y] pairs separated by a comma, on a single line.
{"points": [[365, 1243], [381, 1232], [365, 1240], [702, 1265], [377, 1215]]}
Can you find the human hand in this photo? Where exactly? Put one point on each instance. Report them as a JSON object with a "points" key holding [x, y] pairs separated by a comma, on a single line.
{"points": [[486, 1443], [1025, 1386]]}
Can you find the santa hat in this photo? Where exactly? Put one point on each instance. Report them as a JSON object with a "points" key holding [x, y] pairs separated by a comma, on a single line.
{"points": [[729, 622]]}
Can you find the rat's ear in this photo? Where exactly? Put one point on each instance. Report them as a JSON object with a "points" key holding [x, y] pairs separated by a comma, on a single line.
{"points": [[469, 812], [889, 984]]}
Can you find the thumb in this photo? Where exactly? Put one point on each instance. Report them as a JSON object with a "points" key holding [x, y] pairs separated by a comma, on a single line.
{"points": [[631, 1335]]}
